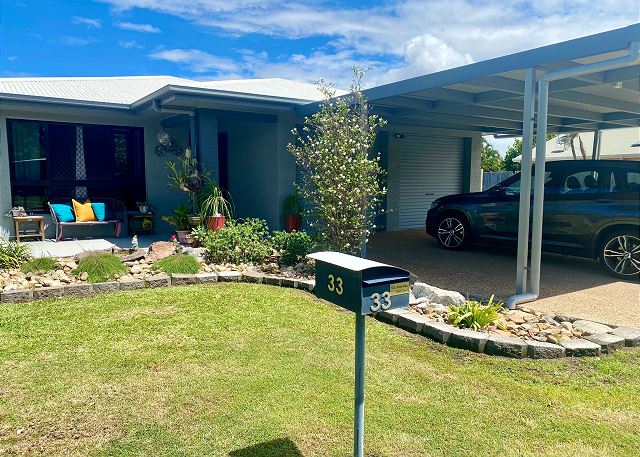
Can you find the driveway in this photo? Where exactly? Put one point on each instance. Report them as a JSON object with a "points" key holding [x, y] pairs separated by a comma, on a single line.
{"points": [[569, 285]]}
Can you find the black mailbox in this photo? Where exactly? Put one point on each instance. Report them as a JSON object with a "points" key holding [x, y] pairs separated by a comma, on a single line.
{"points": [[360, 285]]}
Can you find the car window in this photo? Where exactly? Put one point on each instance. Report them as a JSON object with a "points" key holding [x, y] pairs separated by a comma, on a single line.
{"points": [[587, 181], [513, 188], [633, 181]]}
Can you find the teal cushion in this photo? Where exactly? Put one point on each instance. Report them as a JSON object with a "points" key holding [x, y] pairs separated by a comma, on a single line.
{"points": [[63, 212], [100, 210]]}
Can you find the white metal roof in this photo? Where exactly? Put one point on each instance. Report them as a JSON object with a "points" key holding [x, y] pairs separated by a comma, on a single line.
{"points": [[126, 90]]}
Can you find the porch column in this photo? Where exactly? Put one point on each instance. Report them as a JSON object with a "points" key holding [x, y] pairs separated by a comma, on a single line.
{"points": [[286, 163], [207, 141]]}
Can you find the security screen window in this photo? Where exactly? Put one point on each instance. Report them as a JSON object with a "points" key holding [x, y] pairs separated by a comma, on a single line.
{"points": [[51, 160]]}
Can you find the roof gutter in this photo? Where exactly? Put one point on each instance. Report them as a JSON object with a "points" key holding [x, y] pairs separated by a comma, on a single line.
{"points": [[64, 101], [632, 58]]}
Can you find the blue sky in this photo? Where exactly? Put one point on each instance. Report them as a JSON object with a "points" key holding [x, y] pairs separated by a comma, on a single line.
{"points": [[302, 40]]}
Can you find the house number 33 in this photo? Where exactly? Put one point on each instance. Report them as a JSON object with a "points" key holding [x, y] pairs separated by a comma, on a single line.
{"points": [[335, 284], [377, 304]]}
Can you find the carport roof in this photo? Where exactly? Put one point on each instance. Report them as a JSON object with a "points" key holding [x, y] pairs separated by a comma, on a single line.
{"points": [[488, 96]]}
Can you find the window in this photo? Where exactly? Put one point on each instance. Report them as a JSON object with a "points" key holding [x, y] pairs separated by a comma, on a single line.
{"points": [[513, 187], [51, 160], [587, 181]]}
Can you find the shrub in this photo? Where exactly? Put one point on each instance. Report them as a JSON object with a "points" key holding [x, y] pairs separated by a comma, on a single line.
{"points": [[39, 264], [177, 263], [101, 266], [239, 242], [13, 254], [476, 316], [292, 246]]}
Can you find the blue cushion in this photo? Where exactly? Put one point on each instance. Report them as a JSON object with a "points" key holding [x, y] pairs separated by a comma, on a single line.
{"points": [[63, 212], [100, 210]]}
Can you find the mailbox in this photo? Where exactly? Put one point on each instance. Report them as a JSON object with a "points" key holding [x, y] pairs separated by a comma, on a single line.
{"points": [[360, 285]]}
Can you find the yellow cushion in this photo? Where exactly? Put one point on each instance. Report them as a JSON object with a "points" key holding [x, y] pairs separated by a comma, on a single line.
{"points": [[84, 212]]}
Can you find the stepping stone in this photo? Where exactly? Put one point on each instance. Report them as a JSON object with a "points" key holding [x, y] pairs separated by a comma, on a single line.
{"points": [[467, 339], [544, 350], [590, 328], [580, 348], [506, 347], [631, 335], [437, 331], [607, 341]]}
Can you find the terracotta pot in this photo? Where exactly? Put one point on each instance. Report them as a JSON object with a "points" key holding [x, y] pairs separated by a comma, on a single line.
{"points": [[194, 220], [293, 223], [215, 222], [183, 236]]}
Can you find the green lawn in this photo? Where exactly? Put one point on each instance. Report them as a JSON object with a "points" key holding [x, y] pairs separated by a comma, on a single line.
{"points": [[249, 370]]}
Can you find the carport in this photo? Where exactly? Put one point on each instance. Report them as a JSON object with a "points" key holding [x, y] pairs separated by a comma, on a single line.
{"points": [[587, 84]]}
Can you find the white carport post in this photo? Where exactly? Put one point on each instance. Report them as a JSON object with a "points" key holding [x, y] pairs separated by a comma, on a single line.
{"points": [[541, 152], [528, 119]]}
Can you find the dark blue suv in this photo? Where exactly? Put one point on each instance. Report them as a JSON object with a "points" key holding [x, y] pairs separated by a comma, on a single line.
{"points": [[591, 209]]}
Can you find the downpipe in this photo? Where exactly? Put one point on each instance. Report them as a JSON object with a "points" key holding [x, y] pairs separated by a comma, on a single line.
{"points": [[632, 58]]}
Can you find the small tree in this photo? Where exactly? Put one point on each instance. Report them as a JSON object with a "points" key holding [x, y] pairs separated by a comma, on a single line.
{"points": [[341, 176], [490, 157]]}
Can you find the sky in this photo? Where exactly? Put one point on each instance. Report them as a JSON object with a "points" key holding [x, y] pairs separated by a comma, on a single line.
{"points": [[301, 40]]}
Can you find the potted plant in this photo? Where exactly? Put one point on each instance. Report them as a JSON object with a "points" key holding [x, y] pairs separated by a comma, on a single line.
{"points": [[214, 206], [188, 176], [293, 213], [180, 221]]}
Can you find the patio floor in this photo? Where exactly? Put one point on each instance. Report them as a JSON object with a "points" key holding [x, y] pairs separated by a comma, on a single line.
{"points": [[69, 248]]}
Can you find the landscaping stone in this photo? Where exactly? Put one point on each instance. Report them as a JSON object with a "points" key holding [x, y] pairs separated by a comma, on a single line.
{"points": [[161, 249], [590, 328], [544, 350], [437, 295], [289, 282], [391, 316], [506, 347], [207, 278], [607, 341], [271, 280], [79, 289], [467, 339], [159, 280], [16, 296], [127, 283], [307, 284], [136, 255], [252, 276], [631, 335], [411, 322], [111, 286], [229, 276], [48, 292], [580, 348], [179, 279], [438, 331]]}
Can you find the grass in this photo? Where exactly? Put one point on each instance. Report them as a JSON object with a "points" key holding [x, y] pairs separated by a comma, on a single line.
{"points": [[177, 263], [39, 264], [251, 370], [101, 266]]}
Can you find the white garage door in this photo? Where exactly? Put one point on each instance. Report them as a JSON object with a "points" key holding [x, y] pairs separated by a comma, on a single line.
{"points": [[430, 167]]}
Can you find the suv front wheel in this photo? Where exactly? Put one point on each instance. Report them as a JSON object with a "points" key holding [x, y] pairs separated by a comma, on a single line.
{"points": [[453, 232], [620, 254]]}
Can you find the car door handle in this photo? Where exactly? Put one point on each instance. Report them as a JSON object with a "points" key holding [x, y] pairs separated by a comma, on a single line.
{"points": [[604, 200]]}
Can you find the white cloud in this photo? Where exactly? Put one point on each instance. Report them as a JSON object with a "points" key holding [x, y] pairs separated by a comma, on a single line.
{"points": [[130, 44], [402, 37], [76, 41], [142, 28], [197, 61], [89, 22]]}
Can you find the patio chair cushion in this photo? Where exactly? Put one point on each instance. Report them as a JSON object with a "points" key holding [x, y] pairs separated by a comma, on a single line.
{"points": [[84, 212], [100, 210], [63, 212]]}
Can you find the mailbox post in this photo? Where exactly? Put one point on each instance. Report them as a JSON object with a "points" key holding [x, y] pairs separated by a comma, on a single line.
{"points": [[364, 287]]}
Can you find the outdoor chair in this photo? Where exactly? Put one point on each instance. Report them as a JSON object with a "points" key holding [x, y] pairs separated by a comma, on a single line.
{"points": [[116, 215]]}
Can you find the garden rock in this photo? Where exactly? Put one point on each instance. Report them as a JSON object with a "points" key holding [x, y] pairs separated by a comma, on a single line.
{"points": [[631, 335], [161, 249], [590, 328], [544, 350], [437, 295], [16, 296], [159, 280], [129, 283], [437, 331], [607, 341], [411, 322], [78, 289], [580, 348], [178, 279], [207, 278], [228, 276], [110, 286], [48, 292], [136, 255], [252, 276], [467, 339], [506, 346]]}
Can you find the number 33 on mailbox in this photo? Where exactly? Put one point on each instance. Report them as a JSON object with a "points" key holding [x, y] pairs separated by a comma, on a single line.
{"points": [[360, 285]]}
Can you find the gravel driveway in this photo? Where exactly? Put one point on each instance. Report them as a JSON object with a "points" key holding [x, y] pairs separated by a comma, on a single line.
{"points": [[570, 285]]}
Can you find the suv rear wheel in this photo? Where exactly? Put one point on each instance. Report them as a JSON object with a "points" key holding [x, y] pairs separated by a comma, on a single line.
{"points": [[453, 232], [620, 254]]}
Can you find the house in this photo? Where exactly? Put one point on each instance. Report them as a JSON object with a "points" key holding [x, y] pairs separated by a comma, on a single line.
{"points": [[618, 144], [98, 137]]}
